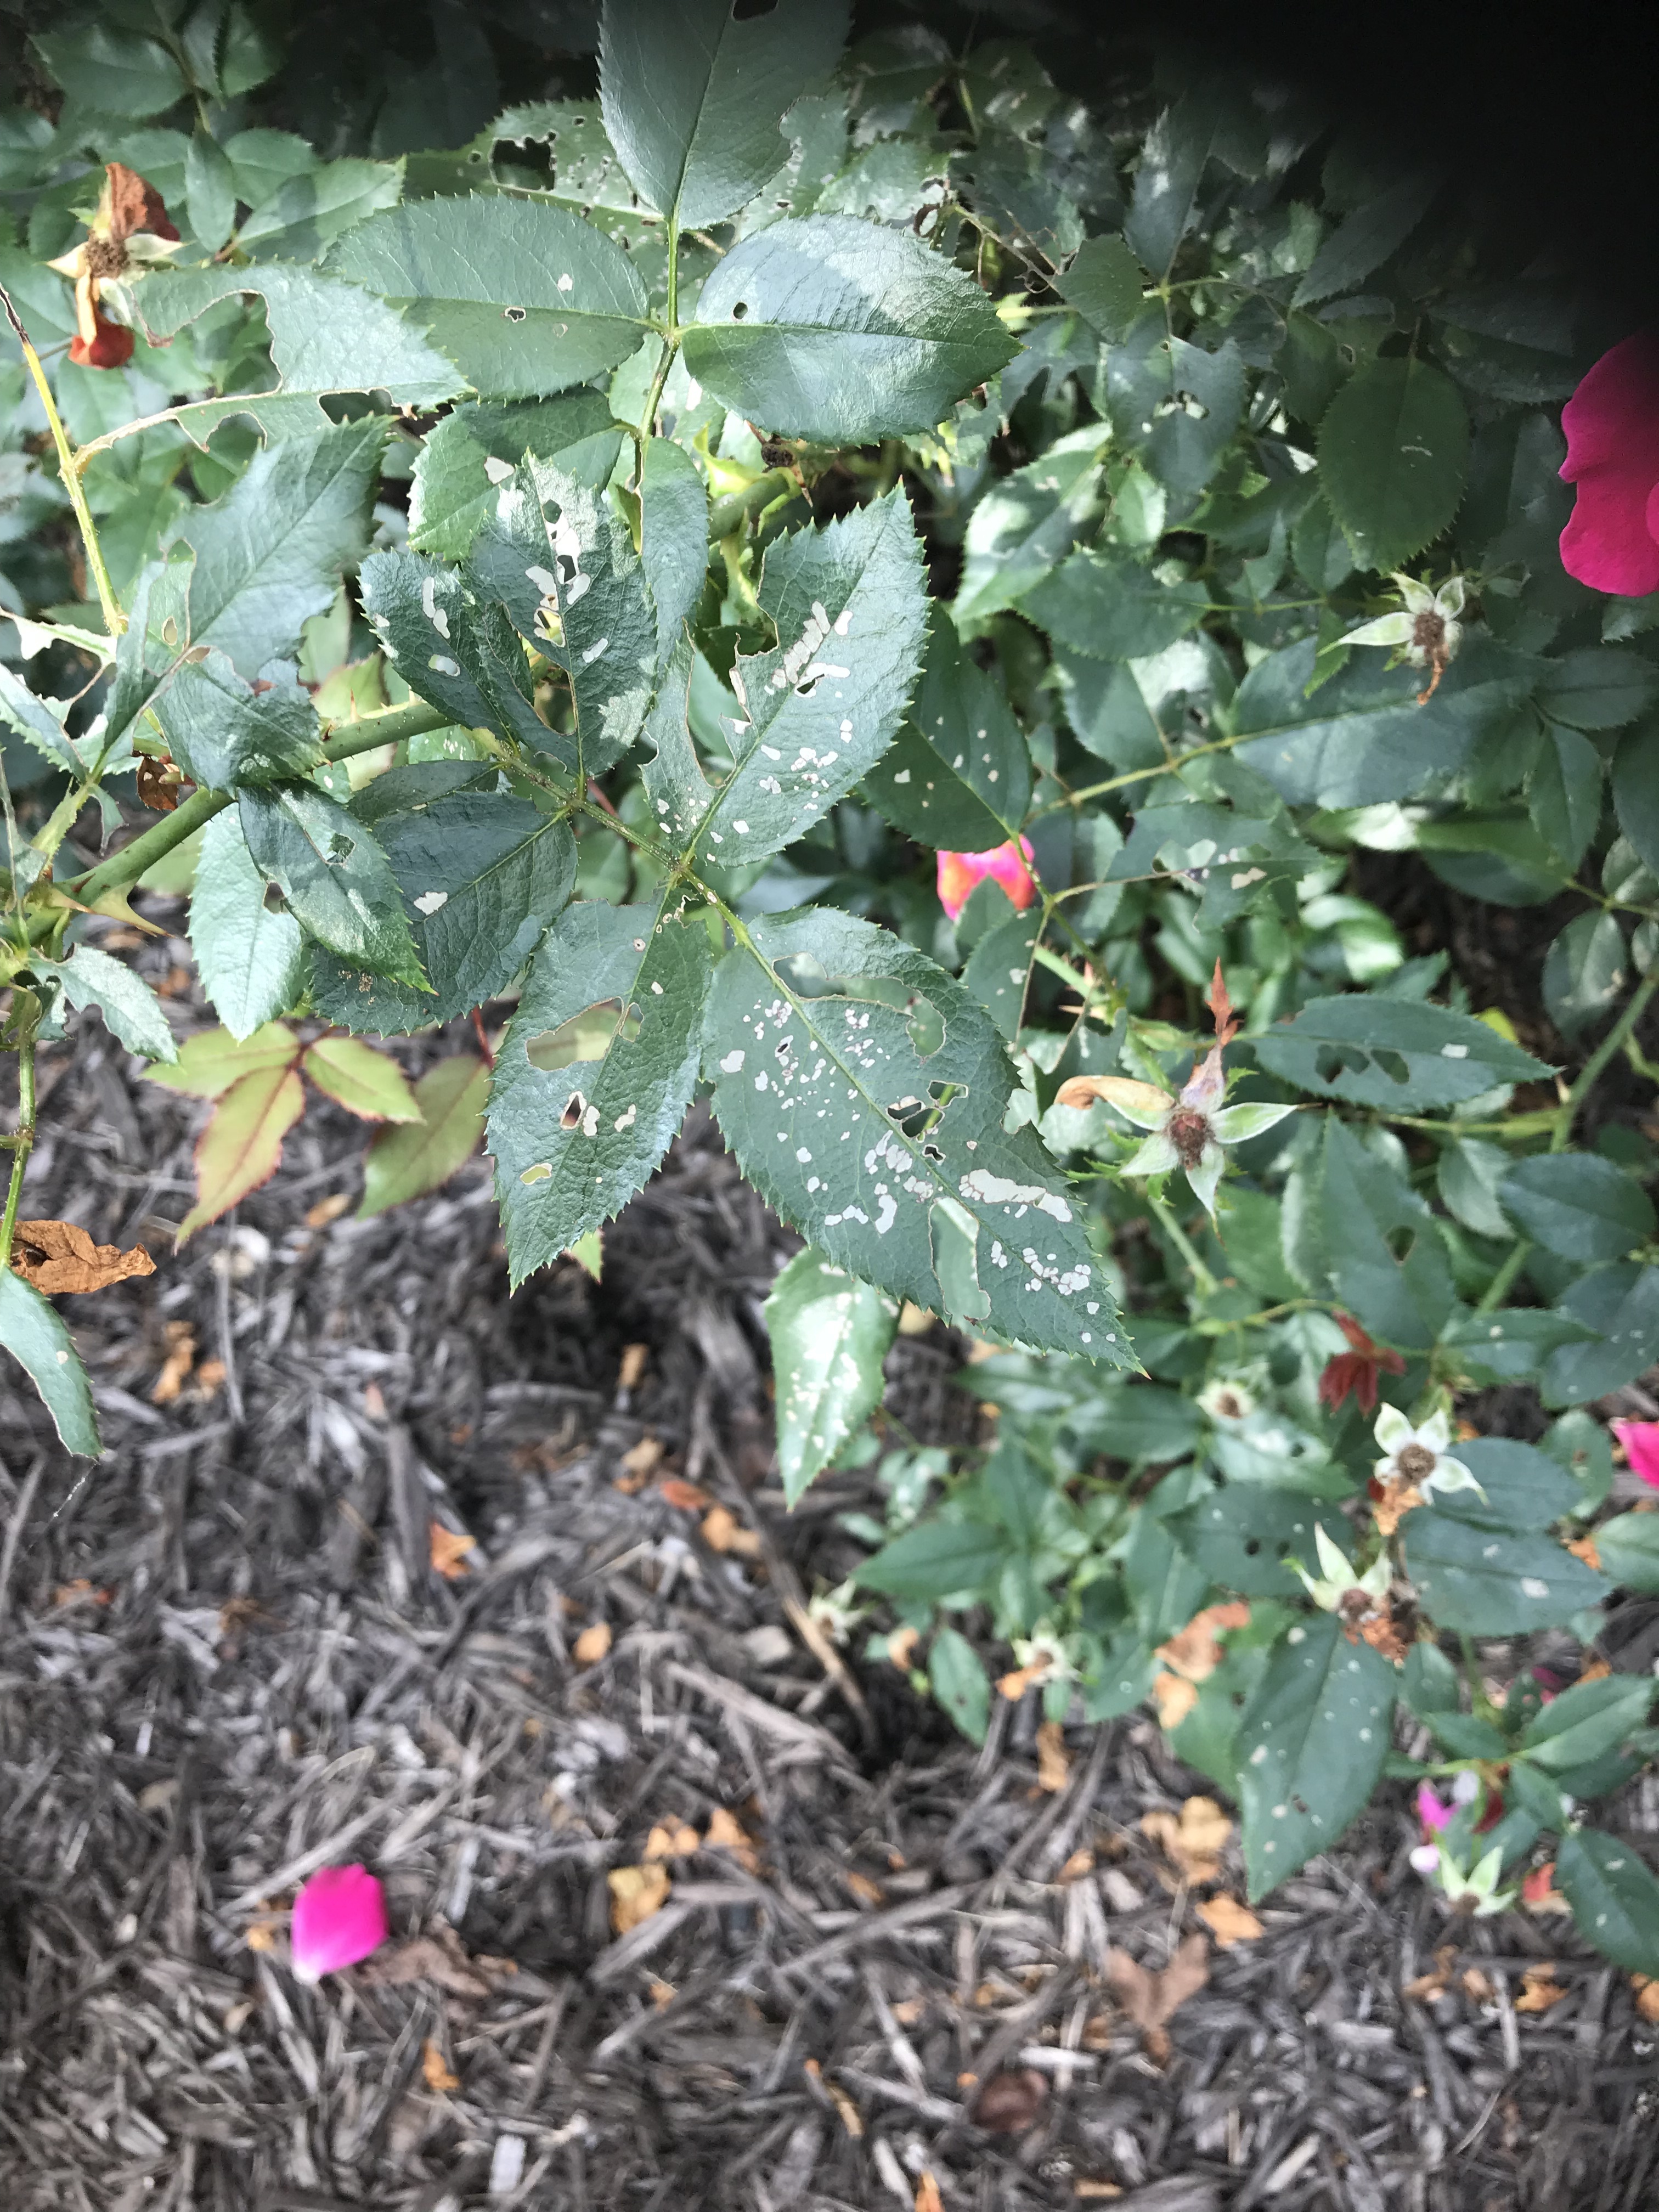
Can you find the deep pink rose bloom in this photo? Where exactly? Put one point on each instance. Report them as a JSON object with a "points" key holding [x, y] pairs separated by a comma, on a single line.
{"points": [[1431, 1810], [959, 873], [1641, 1443], [1611, 542], [339, 1917]]}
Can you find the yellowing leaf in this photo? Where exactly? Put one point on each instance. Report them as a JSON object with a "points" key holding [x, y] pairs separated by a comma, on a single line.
{"points": [[209, 1062], [591, 1646], [636, 1893], [436, 2074], [242, 1145], [588, 1251], [409, 1158], [365, 1082], [1229, 1921]]}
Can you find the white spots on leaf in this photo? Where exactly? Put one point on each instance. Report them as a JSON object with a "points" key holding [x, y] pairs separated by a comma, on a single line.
{"points": [[742, 829], [594, 651], [1454, 1052], [759, 1080], [626, 1120], [540, 1172], [843, 621], [429, 607], [732, 1062], [802, 1154], [1531, 1587], [496, 470], [565, 281], [429, 902], [998, 1190], [444, 665], [656, 990]]}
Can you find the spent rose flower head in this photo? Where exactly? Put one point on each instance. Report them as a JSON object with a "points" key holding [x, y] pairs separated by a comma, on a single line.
{"points": [[1641, 1443], [339, 1917], [1418, 1458], [960, 875], [1611, 542], [1426, 627], [1188, 1131], [127, 233]]}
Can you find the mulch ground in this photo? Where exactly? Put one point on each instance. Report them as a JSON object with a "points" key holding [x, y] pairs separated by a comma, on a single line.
{"points": [[226, 1659]]}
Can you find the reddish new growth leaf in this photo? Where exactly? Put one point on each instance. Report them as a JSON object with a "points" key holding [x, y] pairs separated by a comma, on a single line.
{"points": [[1356, 1371], [1222, 1008]]}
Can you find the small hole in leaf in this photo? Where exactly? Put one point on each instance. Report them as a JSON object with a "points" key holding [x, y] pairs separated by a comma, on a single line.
{"points": [[740, 311], [1335, 1060], [751, 11], [514, 314], [588, 1036], [571, 1117], [1252, 1546], [1402, 1242], [274, 900], [1390, 1063], [340, 847]]}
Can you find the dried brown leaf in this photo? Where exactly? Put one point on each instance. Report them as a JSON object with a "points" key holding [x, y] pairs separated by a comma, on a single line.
{"points": [[439, 1957], [56, 1256], [632, 1365], [1229, 1921], [1647, 1996], [636, 1893], [723, 1532], [1193, 1841], [1151, 2000], [1010, 2102], [902, 1645], [175, 1367], [592, 1645], [1539, 1990], [1196, 1651], [448, 1548], [928, 2197], [684, 1497], [725, 1832], [1054, 1761], [1174, 1698], [1079, 1863], [434, 2071], [677, 1842]]}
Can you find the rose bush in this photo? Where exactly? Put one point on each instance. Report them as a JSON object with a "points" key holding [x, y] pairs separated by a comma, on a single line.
{"points": [[498, 571]]}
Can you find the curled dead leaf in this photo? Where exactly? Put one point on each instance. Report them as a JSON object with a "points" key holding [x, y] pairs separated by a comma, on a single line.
{"points": [[632, 1365], [636, 1893], [434, 2071], [1115, 1089], [56, 1256], [175, 1367], [725, 1832], [1013, 1687], [1194, 1839], [684, 1497], [1008, 2103], [723, 1532], [1054, 1761], [1229, 1921], [1584, 1548], [592, 1645], [1196, 1652], [902, 1645], [327, 1210], [639, 1458]]}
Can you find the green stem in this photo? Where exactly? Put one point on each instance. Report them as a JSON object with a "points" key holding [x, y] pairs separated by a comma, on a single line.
{"points": [[135, 860], [1203, 1280], [1613, 1043], [1501, 1283], [670, 346], [727, 514], [21, 1143], [114, 621]]}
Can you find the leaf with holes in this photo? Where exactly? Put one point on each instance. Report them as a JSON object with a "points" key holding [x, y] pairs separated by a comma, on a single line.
{"points": [[224, 731], [249, 958], [333, 876], [31, 1330], [451, 642], [408, 1159], [1394, 450], [1403, 1055], [525, 300], [693, 93], [365, 1082], [958, 775], [830, 1334], [465, 458], [850, 607], [595, 1071], [561, 561], [1383, 1256], [1171, 401], [863, 1091], [843, 331], [481, 877], [1310, 1749], [241, 1147]]}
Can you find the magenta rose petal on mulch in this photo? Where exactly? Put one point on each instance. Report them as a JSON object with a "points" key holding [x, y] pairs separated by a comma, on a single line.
{"points": [[1612, 428], [339, 1917]]}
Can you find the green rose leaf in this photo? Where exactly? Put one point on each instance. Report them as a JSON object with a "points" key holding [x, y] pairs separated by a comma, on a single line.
{"points": [[1393, 454], [1310, 1747], [336, 879], [467, 458], [1404, 1056], [1104, 283], [524, 298], [958, 775], [1242, 1535], [408, 1159], [830, 1334], [1628, 1547], [132, 1011], [1111, 607], [1473, 1579], [1578, 1205], [1587, 1722], [249, 959], [1614, 1897], [863, 1092], [595, 1071], [842, 331], [223, 731], [481, 877], [32, 1331], [941, 1559], [692, 95], [956, 1676]]}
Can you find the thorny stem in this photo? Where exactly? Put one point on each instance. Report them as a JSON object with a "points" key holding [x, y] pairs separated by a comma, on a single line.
{"points": [[22, 1144], [114, 621]]}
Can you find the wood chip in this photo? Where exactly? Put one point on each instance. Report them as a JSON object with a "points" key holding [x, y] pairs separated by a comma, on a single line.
{"points": [[1053, 1760], [1194, 1839], [1229, 1921], [636, 1893], [592, 1645], [435, 2072]]}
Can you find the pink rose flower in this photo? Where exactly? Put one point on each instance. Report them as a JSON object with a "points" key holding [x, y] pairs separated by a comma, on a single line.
{"points": [[1641, 1443], [1611, 542], [339, 1917], [1431, 1811], [958, 873]]}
